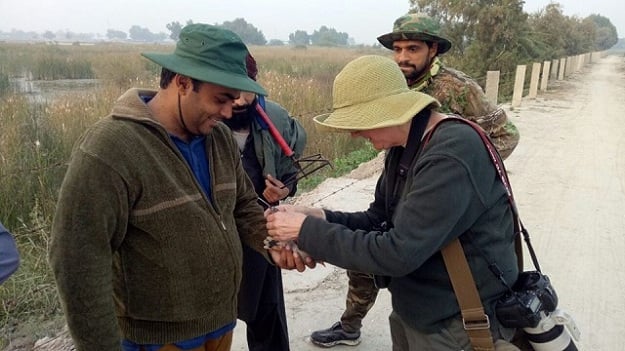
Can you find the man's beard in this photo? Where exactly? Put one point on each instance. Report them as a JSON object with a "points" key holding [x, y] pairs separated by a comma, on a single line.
{"points": [[416, 73], [240, 120]]}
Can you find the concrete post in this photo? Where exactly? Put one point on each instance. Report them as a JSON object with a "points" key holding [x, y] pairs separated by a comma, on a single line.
{"points": [[580, 62], [545, 76], [492, 86], [569, 66], [534, 80], [519, 81], [561, 70], [554, 69]]}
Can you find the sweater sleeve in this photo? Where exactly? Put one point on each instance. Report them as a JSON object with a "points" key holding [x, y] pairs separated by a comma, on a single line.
{"points": [[91, 214], [295, 136], [439, 205], [9, 257], [248, 214]]}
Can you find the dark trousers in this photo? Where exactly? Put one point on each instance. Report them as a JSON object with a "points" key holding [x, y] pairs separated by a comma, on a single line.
{"points": [[261, 304]]}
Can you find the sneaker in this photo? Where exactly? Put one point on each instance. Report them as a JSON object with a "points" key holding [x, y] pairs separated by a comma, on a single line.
{"points": [[335, 335]]}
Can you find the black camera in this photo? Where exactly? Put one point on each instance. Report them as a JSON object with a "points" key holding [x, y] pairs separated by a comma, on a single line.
{"points": [[531, 305], [531, 294]]}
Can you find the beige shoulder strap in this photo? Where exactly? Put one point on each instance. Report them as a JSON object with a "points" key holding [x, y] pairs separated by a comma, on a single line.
{"points": [[474, 319]]}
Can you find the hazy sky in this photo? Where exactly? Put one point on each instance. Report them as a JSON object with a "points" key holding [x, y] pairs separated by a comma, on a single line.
{"points": [[363, 20]]}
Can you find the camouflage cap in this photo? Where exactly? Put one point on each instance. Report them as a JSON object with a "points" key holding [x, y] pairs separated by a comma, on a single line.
{"points": [[415, 26]]}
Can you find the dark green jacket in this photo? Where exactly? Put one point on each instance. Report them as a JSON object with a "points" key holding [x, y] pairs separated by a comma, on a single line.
{"points": [[451, 191], [267, 150], [136, 244]]}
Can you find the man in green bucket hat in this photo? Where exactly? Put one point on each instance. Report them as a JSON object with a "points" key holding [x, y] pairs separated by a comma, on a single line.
{"points": [[146, 239], [417, 43]]}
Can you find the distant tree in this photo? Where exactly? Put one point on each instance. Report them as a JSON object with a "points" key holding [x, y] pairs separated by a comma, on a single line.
{"points": [[160, 36], [174, 29], [325, 36], [585, 34], [563, 35], [116, 34], [299, 38], [49, 35], [144, 34], [550, 27], [248, 33], [606, 34], [276, 42], [486, 34]]}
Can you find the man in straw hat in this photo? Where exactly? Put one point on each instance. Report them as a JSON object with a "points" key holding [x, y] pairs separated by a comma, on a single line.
{"points": [[416, 43], [427, 196], [146, 239]]}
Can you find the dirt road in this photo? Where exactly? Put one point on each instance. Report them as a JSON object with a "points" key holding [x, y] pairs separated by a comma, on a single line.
{"points": [[568, 174]]}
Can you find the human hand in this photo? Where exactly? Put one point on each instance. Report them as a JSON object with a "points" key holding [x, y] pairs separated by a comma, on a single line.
{"points": [[283, 225], [274, 189], [286, 257], [309, 211]]}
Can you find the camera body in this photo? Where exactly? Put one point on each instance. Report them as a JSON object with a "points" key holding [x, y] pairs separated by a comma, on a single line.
{"points": [[532, 294], [532, 305]]}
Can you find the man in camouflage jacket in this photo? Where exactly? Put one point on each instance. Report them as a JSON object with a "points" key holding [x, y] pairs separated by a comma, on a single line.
{"points": [[416, 44]]}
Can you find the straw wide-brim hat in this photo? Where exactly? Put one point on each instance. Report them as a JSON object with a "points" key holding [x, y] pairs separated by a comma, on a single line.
{"points": [[371, 92], [209, 54]]}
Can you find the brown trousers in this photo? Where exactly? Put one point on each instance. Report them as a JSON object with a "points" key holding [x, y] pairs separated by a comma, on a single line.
{"points": [[222, 344]]}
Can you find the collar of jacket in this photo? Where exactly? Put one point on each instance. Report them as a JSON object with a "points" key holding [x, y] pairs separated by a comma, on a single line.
{"points": [[423, 81]]}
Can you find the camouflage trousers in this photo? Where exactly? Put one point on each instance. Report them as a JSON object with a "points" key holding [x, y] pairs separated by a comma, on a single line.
{"points": [[361, 295]]}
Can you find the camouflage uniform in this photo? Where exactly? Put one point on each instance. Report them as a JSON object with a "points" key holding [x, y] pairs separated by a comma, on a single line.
{"points": [[458, 94], [461, 95]]}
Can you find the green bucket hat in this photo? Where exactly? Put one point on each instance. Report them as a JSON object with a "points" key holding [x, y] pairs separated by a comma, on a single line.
{"points": [[371, 92], [209, 54], [415, 26]]}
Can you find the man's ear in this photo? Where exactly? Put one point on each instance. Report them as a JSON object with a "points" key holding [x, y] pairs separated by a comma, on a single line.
{"points": [[183, 84], [433, 51]]}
